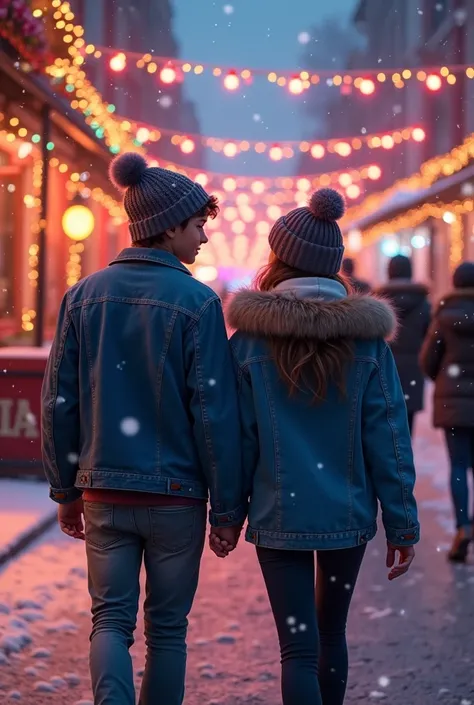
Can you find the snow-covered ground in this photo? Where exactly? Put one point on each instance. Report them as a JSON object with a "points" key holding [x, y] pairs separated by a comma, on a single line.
{"points": [[411, 641]]}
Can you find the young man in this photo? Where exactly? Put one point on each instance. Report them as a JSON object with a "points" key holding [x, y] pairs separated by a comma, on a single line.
{"points": [[140, 421]]}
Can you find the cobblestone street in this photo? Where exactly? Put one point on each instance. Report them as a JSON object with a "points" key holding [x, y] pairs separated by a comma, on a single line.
{"points": [[411, 641]]}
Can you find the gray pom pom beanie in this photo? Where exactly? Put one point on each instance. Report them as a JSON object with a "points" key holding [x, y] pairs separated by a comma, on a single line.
{"points": [[155, 199], [309, 238]]}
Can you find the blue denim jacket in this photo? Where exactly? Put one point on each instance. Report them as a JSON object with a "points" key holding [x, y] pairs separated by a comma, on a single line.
{"points": [[314, 472], [140, 391]]}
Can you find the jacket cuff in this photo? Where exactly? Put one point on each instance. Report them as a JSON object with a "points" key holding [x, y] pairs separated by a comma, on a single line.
{"points": [[234, 518], [64, 495], [403, 537]]}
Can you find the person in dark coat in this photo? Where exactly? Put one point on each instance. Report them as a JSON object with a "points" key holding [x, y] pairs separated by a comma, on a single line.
{"points": [[447, 357], [410, 300], [359, 285]]}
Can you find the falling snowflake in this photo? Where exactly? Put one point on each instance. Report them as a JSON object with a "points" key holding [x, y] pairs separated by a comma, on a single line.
{"points": [[454, 370], [292, 494], [384, 681], [228, 9], [439, 6], [320, 466], [257, 117], [72, 458], [347, 586], [363, 130], [397, 109], [304, 37], [291, 621], [407, 396], [332, 578], [129, 426], [212, 382], [60, 400], [302, 627], [166, 101], [413, 382], [293, 630], [31, 418], [420, 12]]}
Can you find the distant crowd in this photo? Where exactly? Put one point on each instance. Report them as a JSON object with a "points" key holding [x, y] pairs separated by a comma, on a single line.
{"points": [[437, 343]]}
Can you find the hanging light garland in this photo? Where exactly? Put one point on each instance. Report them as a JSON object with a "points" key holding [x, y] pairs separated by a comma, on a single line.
{"points": [[170, 70], [144, 133], [430, 171]]}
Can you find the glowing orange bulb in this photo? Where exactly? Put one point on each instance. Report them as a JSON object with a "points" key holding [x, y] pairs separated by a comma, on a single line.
{"points": [[230, 149], [295, 85], [201, 179], [118, 62], [345, 180], [353, 191], [231, 81], [374, 172], [229, 184], [187, 146], [168, 75], [343, 149], [387, 142], [258, 187], [418, 134], [367, 86], [433, 82], [275, 153], [317, 151]]}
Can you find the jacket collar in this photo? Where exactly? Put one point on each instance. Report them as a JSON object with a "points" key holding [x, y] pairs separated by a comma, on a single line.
{"points": [[313, 287], [327, 315], [149, 254]]}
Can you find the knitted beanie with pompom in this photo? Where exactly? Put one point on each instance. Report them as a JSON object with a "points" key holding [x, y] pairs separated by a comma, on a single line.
{"points": [[309, 238], [155, 199]]}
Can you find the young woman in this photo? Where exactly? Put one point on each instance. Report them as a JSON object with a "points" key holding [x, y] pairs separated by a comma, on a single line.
{"points": [[325, 435], [447, 358]]}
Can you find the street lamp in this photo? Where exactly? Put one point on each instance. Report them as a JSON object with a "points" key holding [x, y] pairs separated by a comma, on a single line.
{"points": [[78, 222]]}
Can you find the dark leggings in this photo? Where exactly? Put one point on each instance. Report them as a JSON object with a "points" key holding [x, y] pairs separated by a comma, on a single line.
{"points": [[312, 633]]}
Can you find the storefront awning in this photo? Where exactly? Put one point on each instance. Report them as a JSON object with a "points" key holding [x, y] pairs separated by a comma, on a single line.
{"points": [[29, 93], [444, 190]]}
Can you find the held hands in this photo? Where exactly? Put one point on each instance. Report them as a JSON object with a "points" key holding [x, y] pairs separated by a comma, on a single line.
{"points": [[223, 540], [70, 519], [406, 556]]}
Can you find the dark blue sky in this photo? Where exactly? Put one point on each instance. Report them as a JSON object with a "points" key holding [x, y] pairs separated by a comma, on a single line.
{"points": [[256, 34]]}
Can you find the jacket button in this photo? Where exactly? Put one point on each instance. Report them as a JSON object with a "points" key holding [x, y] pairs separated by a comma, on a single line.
{"points": [[84, 479], [363, 538]]}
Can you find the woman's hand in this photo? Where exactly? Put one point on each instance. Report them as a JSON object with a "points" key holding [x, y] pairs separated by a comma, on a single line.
{"points": [[406, 556]]}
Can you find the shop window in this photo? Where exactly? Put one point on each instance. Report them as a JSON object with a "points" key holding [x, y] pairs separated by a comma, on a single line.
{"points": [[8, 221]]}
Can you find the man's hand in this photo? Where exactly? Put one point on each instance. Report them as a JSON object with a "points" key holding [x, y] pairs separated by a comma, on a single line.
{"points": [[223, 540], [70, 519], [407, 554]]}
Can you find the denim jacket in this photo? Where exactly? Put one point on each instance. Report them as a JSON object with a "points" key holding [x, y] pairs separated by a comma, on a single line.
{"points": [[314, 472], [140, 392]]}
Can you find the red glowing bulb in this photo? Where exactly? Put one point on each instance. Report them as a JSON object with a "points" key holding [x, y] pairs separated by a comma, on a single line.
{"points": [[187, 146], [168, 75], [317, 151], [418, 134], [118, 62], [231, 81], [374, 172], [433, 82], [367, 86], [295, 85], [275, 153]]}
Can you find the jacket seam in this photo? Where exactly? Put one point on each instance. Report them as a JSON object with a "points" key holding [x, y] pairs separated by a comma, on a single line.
{"points": [[159, 382], [394, 438], [54, 391], [83, 303]]}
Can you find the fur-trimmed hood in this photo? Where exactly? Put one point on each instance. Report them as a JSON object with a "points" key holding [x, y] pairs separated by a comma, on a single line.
{"points": [[322, 316]]}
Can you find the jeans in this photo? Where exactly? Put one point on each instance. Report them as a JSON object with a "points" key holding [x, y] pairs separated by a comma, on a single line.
{"points": [[312, 633], [170, 541], [460, 443]]}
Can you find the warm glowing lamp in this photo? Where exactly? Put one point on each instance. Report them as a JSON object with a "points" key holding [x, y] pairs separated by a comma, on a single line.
{"points": [[78, 222]]}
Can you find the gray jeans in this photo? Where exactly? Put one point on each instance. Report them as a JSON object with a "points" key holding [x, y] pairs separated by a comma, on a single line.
{"points": [[170, 540]]}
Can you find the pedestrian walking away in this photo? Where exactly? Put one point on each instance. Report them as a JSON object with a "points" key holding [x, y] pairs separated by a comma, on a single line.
{"points": [[140, 421], [410, 300], [325, 435], [348, 269], [447, 358]]}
